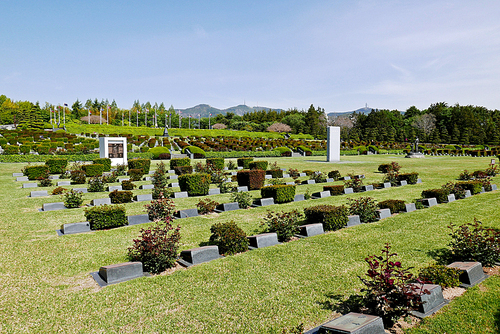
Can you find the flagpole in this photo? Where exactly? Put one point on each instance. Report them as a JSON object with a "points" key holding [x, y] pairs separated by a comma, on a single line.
{"points": [[199, 121], [137, 115], [100, 116], [209, 120], [146, 118], [189, 122], [88, 115]]}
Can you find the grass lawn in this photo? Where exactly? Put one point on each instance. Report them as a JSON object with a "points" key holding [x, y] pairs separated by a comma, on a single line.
{"points": [[45, 284]]}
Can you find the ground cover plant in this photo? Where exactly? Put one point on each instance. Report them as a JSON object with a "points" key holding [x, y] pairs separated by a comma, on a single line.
{"points": [[50, 289]]}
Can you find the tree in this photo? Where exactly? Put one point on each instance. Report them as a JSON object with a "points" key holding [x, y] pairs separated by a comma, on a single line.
{"points": [[76, 109], [295, 121], [425, 123], [315, 122], [279, 127]]}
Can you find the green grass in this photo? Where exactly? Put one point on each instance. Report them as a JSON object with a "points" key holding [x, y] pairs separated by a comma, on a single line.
{"points": [[45, 284]]}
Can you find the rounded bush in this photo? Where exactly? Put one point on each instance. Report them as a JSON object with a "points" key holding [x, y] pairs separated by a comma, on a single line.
{"points": [[230, 238]]}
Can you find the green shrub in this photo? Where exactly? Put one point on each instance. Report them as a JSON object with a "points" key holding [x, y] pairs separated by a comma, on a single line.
{"points": [[365, 207], [157, 247], [58, 191], [441, 275], [106, 216], [285, 224], [181, 170], [441, 195], [243, 198], [410, 178], [355, 183], [332, 217], [96, 184], [143, 164], [121, 196], [393, 166], [110, 177], [253, 179], [206, 205], [308, 151], [308, 172], [35, 172], [395, 205], [261, 164], [244, 162], [334, 174], [197, 152], [57, 166], [128, 185], [11, 149], [106, 162], [73, 199], [281, 193], [196, 184], [216, 162], [335, 189], [160, 209], [177, 162], [230, 238], [276, 173], [25, 149], [474, 186], [157, 151], [318, 177], [45, 182], [93, 170], [284, 151], [135, 174]]}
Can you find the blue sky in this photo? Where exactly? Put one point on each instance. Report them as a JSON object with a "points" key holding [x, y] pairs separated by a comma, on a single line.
{"points": [[338, 55]]}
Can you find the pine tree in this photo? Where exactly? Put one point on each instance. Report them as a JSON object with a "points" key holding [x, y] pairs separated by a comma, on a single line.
{"points": [[455, 135]]}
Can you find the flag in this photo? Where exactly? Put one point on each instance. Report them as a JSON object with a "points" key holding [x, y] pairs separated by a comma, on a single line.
{"points": [[65, 104]]}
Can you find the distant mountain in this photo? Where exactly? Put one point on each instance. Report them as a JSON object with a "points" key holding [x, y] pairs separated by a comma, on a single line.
{"points": [[364, 110], [204, 110]]}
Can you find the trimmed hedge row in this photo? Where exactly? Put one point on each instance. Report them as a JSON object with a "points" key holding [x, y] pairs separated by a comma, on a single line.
{"points": [[196, 184], [332, 217], [106, 216], [93, 170], [35, 172], [216, 162], [253, 179], [281, 193], [106, 162], [179, 162], [261, 164], [244, 162], [56, 166], [410, 178], [335, 189], [143, 164]]}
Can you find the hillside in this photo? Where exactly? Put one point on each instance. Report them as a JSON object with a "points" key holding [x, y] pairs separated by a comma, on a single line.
{"points": [[204, 110]]}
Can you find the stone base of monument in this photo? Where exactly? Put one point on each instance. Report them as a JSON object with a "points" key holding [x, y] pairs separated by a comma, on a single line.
{"points": [[415, 155], [186, 213], [352, 323], [310, 230], [353, 220], [432, 302], [193, 256], [471, 273], [263, 202], [262, 240], [138, 219], [117, 273], [227, 207]]}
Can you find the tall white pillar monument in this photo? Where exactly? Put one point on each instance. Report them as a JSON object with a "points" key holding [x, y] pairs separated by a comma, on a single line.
{"points": [[333, 144]]}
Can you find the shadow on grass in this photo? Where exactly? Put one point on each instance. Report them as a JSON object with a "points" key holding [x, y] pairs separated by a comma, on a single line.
{"points": [[443, 256], [339, 304], [497, 320]]}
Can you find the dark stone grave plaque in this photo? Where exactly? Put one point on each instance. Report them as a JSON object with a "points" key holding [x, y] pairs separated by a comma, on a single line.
{"points": [[451, 198], [472, 273], [432, 302], [113, 188], [82, 190], [22, 178], [348, 190], [17, 174], [100, 201], [214, 191], [173, 185], [227, 207], [173, 177], [302, 174], [310, 230], [39, 193], [263, 240], [409, 207], [299, 197], [186, 213], [263, 201], [53, 206], [30, 185], [73, 228], [353, 220], [386, 185], [117, 273], [367, 188], [146, 186], [242, 189], [467, 193], [180, 194], [428, 202], [143, 198], [384, 213], [54, 177], [403, 183], [138, 219], [354, 323], [198, 255], [321, 194], [309, 182]]}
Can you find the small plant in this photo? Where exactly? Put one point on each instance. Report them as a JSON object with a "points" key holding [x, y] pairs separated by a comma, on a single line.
{"points": [[307, 194], [473, 242], [96, 184], [395, 205], [106, 216], [285, 224], [492, 170], [355, 183], [334, 174], [73, 199], [128, 185], [160, 209], [225, 187], [318, 177], [231, 165], [157, 247], [44, 182], [243, 198], [78, 176], [119, 197], [441, 275], [206, 206], [365, 207], [58, 191], [135, 174], [230, 238], [388, 288], [391, 177], [294, 173], [121, 169], [465, 175], [454, 189], [110, 177]]}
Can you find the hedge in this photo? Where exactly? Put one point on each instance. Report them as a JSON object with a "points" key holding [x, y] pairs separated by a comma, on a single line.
{"points": [[106, 162], [276, 173], [106, 216], [284, 151], [244, 162], [11, 149], [121, 196], [308, 151], [474, 186], [281, 193], [441, 195], [143, 164], [239, 154], [410, 178], [177, 162], [253, 179], [395, 205], [35, 172], [335, 189], [157, 151], [216, 162], [93, 170], [332, 217], [56, 166], [196, 184], [261, 164], [180, 170], [196, 151]]}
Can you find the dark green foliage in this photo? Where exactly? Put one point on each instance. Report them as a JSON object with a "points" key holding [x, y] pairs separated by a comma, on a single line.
{"points": [[106, 162], [196, 184], [106, 216], [231, 165], [93, 170], [176, 162], [243, 198], [318, 177], [392, 177], [492, 170], [78, 176], [110, 177], [441, 275], [45, 182], [34, 172], [465, 175], [393, 166], [410, 178], [160, 181], [135, 174], [230, 238], [11, 149], [395, 205], [334, 174], [157, 247], [58, 191], [158, 151], [473, 242], [253, 179], [355, 183], [160, 209], [143, 164], [57, 166], [332, 217], [365, 207], [260, 164], [308, 172], [474, 186], [306, 150], [285, 224], [244, 162], [181, 170], [127, 185], [441, 195], [206, 205], [121, 196], [73, 199], [294, 173], [281, 193], [216, 162], [284, 151], [454, 189], [335, 189], [96, 184], [197, 152], [276, 173]]}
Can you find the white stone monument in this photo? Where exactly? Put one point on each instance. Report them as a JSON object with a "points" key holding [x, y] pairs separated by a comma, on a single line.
{"points": [[114, 148], [333, 144]]}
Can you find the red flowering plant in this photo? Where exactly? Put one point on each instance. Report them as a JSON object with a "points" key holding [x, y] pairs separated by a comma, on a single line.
{"points": [[390, 290]]}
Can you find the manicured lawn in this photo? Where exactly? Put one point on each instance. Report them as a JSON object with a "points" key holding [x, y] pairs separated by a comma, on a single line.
{"points": [[45, 284]]}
